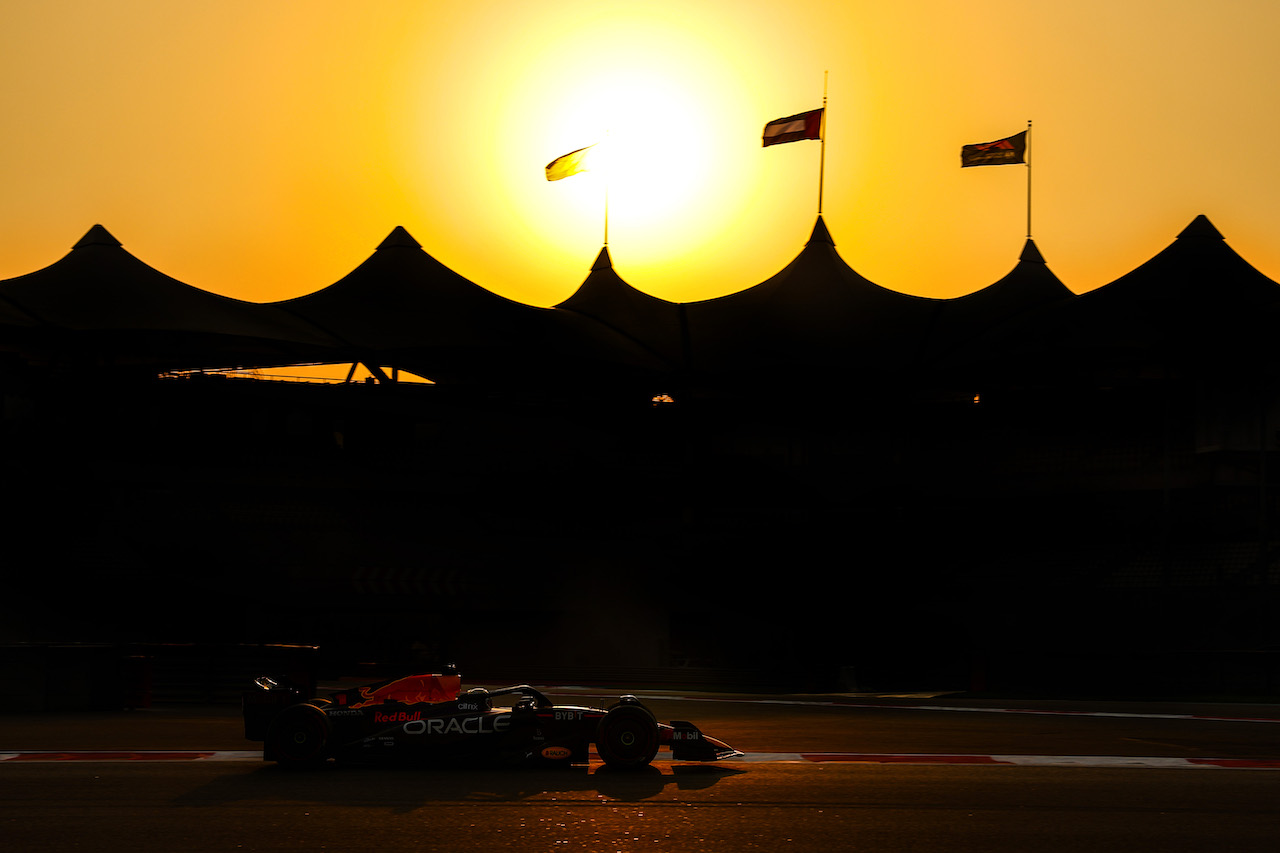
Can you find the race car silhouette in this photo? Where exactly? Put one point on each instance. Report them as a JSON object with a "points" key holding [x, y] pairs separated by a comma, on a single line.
{"points": [[427, 719]]}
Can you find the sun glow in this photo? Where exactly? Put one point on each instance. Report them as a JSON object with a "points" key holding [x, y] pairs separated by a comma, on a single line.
{"points": [[673, 126], [654, 158]]}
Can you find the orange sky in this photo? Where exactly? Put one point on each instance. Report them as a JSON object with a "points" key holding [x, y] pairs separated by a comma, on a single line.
{"points": [[263, 149]]}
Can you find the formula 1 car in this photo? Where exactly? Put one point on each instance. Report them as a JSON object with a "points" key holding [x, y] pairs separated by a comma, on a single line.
{"points": [[427, 719]]}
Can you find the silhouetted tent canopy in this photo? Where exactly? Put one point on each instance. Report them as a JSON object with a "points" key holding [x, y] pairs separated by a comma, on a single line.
{"points": [[651, 324], [1195, 302], [817, 314], [402, 307], [977, 327], [102, 301], [1030, 285]]}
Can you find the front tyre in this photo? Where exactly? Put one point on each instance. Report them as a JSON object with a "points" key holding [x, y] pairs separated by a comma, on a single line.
{"points": [[298, 737], [627, 737]]}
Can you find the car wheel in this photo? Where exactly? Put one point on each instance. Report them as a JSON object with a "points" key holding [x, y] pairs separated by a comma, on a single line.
{"points": [[298, 736], [627, 737]]}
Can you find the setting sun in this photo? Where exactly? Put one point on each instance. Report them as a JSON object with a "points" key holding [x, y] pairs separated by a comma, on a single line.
{"points": [[665, 115]]}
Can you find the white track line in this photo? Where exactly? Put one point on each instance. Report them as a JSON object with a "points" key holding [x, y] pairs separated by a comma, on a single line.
{"points": [[1013, 760], [964, 709], [124, 755], [1110, 761]]}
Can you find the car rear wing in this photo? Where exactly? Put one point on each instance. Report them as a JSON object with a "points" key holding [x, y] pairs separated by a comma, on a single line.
{"points": [[260, 704]]}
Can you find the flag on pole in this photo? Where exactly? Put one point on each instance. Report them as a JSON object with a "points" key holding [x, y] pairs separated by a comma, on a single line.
{"points": [[569, 164], [1002, 152], [794, 128]]}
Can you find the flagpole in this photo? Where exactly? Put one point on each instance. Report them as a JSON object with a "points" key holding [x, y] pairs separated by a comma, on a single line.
{"points": [[1028, 156], [608, 167], [822, 144]]}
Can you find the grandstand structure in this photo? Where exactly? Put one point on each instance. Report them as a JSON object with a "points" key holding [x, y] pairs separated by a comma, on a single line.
{"points": [[816, 474]]}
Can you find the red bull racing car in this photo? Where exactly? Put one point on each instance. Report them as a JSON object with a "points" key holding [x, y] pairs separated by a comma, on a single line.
{"points": [[428, 719]]}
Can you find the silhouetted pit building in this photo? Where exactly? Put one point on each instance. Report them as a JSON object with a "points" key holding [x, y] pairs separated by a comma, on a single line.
{"points": [[813, 476]]}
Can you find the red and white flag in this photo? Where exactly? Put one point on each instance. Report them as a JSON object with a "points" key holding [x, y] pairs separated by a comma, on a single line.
{"points": [[794, 128]]}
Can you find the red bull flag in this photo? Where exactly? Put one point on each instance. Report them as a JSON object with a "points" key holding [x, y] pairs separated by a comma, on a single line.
{"points": [[569, 164], [794, 128], [1002, 152]]}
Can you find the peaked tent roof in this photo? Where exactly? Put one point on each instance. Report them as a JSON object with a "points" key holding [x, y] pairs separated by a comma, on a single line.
{"points": [[655, 325], [1196, 297], [969, 322], [1198, 268], [1029, 285], [401, 297], [404, 307], [102, 289], [816, 313]]}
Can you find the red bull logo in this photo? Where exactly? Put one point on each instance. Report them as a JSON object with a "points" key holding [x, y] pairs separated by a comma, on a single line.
{"points": [[397, 717]]}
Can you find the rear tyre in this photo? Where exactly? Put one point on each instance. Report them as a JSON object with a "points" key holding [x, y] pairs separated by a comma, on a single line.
{"points": [[627, 737], [298, 737]]}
